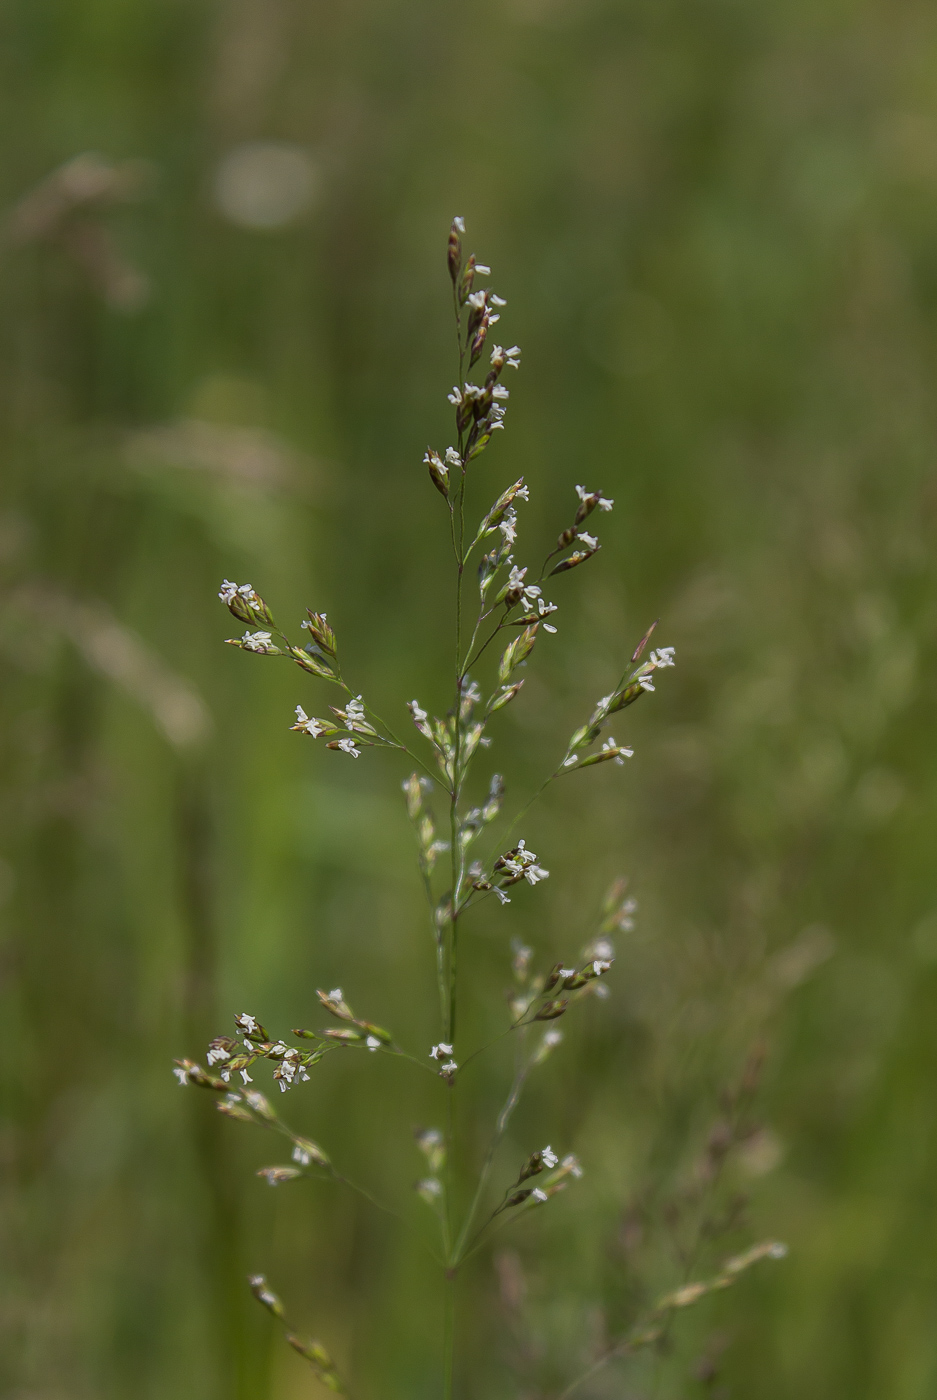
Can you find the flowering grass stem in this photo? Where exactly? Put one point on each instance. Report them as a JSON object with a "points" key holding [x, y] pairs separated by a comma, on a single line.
{"points": [[507, 604]]}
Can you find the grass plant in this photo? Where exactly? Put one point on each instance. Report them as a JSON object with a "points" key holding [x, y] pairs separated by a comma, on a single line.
{"points": [[472, 862]]}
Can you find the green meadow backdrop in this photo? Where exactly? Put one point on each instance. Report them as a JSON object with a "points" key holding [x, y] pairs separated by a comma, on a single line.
{"points": [[224, 346]]}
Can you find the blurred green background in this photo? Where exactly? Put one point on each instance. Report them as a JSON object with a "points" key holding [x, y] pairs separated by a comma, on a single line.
{"points": [[224, 345]]}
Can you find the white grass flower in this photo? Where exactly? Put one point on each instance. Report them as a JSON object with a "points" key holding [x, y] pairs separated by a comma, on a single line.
{"points": [[308, 724], [257, 641], [538, 1195], [619, 751], [521, 863], [348, 746], [549, 1158], [440, 1051], [373, 1043], [594, 498], [588, 540], [354, 713]]}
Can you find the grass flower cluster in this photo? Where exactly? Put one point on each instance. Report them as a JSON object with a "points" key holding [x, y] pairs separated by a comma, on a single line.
{"points": [[468, 853]]}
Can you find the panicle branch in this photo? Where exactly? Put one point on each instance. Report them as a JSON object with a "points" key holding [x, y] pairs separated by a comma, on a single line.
{"points": [[313, 1352]]}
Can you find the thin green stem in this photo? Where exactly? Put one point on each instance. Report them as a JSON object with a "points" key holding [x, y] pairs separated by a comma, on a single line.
{"points": [[455, 549], [650, 1334], [505, 838], [552, 555], [398, 743], [446, 1219], [482, 1048], [363, 1191], [449, 1338], [496, 1221], [591, 1371], [455, 844], [504, 1116], [405, 1055], [484, 646], [331, 1173], [453, 919], [438, 943], [468, 652], [456, 860]]}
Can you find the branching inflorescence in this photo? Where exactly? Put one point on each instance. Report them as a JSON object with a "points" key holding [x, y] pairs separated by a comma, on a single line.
{"points": [[501, 608]]}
